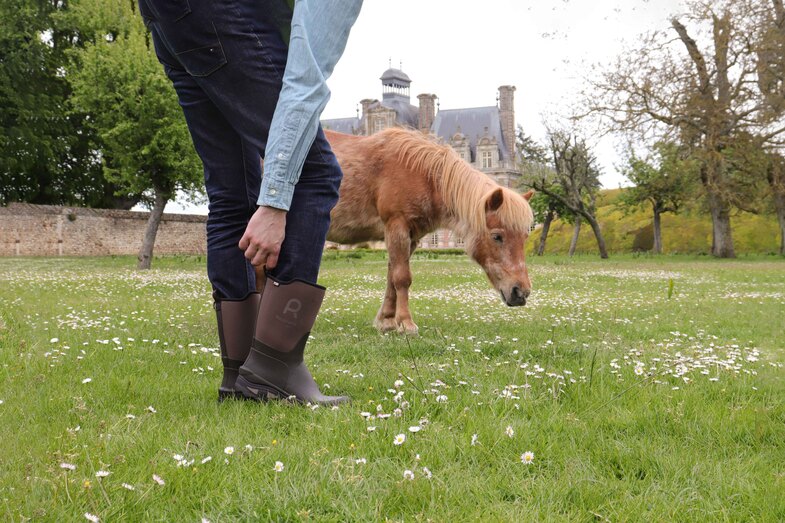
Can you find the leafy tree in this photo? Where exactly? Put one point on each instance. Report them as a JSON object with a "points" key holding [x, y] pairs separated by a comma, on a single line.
{"points": [[48, 156], [133, 108], [663, 180], [576, 174]]}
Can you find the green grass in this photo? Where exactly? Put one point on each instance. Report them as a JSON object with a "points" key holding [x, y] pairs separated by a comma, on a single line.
{"points": [[637, 406], [688, 232]]}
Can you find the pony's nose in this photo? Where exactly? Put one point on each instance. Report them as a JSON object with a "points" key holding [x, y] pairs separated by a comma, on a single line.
{"points": [[518, 296]]}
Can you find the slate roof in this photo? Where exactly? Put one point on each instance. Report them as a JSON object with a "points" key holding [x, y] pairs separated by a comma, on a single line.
{"points": [[342, 125], [472, 123], [407, 114]]}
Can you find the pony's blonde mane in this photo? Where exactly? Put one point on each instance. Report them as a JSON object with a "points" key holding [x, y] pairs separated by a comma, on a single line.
{"points": [[463, 188]]}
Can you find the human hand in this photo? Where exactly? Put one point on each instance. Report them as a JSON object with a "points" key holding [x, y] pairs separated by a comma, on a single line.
{"points": [[263, 237]]}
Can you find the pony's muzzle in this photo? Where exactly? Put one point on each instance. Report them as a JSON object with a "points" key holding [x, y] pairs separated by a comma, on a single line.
{"points": [[517, 296]]}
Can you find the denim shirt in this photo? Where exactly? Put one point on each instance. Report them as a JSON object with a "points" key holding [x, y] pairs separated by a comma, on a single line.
{"points": [[319, 32]]}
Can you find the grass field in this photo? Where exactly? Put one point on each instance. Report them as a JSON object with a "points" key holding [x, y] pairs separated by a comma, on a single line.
{"points": [[640, 400]]}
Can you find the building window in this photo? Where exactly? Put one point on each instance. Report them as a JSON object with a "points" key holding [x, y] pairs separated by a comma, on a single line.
{"points": [[487, 159], [378, 125]]}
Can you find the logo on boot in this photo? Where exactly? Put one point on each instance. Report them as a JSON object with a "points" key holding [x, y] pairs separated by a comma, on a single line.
{"points": [[291, 309]]}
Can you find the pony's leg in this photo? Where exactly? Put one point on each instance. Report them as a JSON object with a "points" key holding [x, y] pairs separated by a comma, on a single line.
{"points": [[385, 318], [399, 244]]}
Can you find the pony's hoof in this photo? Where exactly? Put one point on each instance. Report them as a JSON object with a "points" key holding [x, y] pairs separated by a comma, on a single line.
{"points": [[408, 327], [385, 325]]}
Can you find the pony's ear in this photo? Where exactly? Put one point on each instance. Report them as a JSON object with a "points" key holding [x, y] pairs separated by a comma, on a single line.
{"points": [[494, 201], [528, 194]]}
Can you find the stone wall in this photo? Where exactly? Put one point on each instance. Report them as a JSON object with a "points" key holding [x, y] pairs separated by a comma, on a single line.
{"points": [[44, 230]]}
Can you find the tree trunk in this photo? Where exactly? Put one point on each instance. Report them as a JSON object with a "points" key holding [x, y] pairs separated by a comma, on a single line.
{"points": [[595, 226], [546, 226], [721, 239], [576, 231], [146, 252], [657, 231], [779, 205]]}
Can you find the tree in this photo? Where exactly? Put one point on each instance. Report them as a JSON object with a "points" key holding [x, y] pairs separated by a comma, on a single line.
{"points": [[48, 156], [662, 180], [132, 107], [534, 166], [770, 52], [698, 88], [775, 174], [577, 175]]}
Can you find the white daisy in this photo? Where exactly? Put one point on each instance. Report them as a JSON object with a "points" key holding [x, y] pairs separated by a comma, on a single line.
{"points": [[408, 474], [278, 466], [229, 450], [399, 439], [527, 457]]}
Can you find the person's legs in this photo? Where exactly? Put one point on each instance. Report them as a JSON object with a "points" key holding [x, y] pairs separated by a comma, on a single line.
{"points": [[235, 54], [226, 62]]}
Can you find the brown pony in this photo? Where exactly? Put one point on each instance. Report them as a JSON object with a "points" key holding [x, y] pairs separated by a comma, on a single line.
{"points": [[399, 185]]}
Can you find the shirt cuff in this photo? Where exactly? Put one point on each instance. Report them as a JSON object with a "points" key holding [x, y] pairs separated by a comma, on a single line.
{"points": [[276, 193]]}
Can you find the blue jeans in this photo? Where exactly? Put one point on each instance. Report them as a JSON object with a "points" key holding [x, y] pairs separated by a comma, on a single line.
{"points": [[226, 61]]}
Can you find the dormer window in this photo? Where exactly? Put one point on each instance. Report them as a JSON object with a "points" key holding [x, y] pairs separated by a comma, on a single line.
{"points": [[487, 160]]}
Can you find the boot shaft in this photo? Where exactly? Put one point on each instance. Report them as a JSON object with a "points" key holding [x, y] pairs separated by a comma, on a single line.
{"points": [[236, 325], [287, 313]]}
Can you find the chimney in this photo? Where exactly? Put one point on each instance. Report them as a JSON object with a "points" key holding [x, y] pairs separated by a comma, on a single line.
{"points": [[427, 112], [507, 117], [364, 123]]}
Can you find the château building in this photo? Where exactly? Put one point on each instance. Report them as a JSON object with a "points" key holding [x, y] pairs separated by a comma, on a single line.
{"points": [[483, 136]]}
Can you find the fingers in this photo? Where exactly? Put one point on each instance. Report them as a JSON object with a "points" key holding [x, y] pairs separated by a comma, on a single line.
{"points": [[260, 257], [245, 242]]}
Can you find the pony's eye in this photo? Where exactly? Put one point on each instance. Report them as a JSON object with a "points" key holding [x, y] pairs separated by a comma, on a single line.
{"points": [[497, 238]]}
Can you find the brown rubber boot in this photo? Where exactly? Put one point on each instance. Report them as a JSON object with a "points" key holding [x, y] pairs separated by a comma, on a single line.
{"points": [[275, 368], [236, 327]]}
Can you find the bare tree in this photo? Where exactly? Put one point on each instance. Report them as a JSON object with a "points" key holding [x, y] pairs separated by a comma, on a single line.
{"points": [[770, 51], [577, 178], [695, 83]]}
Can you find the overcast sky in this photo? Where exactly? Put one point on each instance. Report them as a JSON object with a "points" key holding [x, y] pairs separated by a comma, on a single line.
{"points": [[462, 51]]}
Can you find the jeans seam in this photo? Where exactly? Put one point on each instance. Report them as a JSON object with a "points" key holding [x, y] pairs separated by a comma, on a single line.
{"points": [[258, 41], [248, 281]]}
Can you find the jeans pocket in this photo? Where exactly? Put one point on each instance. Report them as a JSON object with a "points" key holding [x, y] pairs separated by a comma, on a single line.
{"points": [[203, 61]]}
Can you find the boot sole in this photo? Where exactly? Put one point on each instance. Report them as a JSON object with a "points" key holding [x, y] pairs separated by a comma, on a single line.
{"points": [[227, 394], [259, 392]]}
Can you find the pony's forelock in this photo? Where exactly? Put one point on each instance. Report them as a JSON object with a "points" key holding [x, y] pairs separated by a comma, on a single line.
{"points": [[465, 190]]}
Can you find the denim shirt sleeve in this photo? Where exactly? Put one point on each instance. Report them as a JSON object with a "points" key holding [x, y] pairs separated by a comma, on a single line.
{"points": [[319, 33]]}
